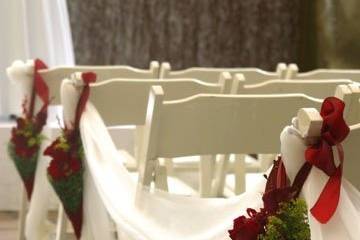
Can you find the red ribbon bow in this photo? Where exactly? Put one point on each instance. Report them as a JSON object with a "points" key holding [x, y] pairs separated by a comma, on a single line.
{"points": [[334, 130]]}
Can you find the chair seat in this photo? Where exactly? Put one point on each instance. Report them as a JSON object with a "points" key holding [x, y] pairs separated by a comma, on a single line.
{"points": [[176, 186], [129, 160], [252, 180]]}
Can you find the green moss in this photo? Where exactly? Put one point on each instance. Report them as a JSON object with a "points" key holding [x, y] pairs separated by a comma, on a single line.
{"points": [[290, 223]]}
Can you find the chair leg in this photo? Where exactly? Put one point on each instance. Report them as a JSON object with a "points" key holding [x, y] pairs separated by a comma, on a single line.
{"points": [[139, 134], [168, 162], [206, 174], [22, 215], [220, 175], [61, 224], [161, 178], [240, 173]]}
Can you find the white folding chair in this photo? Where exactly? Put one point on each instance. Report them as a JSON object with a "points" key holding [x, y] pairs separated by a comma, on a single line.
{"points": [[254, 75], [215, 124], [351, 143], [344, 89], [313, 88], [352, 156], [293, 73], [131, 98], [58, 73]]}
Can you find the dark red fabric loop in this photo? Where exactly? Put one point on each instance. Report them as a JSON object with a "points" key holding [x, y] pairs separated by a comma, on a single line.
{"points": [[321, 156], [40, 88], [334, 129], [87, 77]]}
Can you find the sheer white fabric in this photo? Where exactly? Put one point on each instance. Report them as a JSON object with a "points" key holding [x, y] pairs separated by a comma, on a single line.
{"points": [[31, 29], [37, 226], [159, 215], [345, 224]]}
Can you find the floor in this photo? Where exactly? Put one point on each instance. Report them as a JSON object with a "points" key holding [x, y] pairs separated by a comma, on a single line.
{"points": [[8, 226]]}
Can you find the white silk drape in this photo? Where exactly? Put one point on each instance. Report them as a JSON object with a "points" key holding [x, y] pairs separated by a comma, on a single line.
{"points": [[161, 215]]}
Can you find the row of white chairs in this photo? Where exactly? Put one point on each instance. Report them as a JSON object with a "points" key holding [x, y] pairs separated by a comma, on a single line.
{"points": [[131, 97], [219, 124], [164, 71], [314, 88]]}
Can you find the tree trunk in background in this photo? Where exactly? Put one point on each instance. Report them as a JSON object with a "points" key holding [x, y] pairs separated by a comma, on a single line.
{"points": [[210, 33]]}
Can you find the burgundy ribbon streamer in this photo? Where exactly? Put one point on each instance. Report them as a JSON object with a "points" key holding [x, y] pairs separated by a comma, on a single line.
{"points": [[40, 88], [334, 130], [87, 77]]}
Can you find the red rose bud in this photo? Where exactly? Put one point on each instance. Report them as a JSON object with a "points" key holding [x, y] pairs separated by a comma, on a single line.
{"points": [[49, 151], [88, 77], [55, 170], [75, 164], [249, 228]]}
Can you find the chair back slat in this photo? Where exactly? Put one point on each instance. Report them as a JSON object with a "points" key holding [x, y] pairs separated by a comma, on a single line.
{"points": [[54, 76], [352, 74], [124, 101], [253, 75], [352, 156], [314, 88], [213, 124]]}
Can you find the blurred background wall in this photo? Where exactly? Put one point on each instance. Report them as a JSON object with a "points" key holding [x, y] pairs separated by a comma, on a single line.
{"points": [[217, 33]]}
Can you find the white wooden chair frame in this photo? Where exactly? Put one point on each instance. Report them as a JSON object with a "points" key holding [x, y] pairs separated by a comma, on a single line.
{"points": [[218, 133], [310, 122], [293, 73], [253, 75], [131, 97], [314, 88]]}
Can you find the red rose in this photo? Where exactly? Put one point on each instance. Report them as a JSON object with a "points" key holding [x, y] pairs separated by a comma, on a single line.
{"points": [[52, 148], [248, 228], [55, 170], [55, 152], [21, 147], [75, 164], [273, 198]]}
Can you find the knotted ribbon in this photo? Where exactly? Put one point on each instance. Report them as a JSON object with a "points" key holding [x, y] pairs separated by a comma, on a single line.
{"points": [[87, 78], [278, 189], [334, 130], [40, 88]]}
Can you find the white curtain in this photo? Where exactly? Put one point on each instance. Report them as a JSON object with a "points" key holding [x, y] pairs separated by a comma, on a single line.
{"points": [[31, 29]]}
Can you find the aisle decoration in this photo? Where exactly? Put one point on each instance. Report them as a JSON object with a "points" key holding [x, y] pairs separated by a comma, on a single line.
{"points": [[26, 137], [284, 215], [66, 168]]}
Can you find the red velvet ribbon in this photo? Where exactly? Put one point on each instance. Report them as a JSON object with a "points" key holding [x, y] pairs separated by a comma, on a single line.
{"points": [[87, 77], [334, 130], [40, 88]]}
